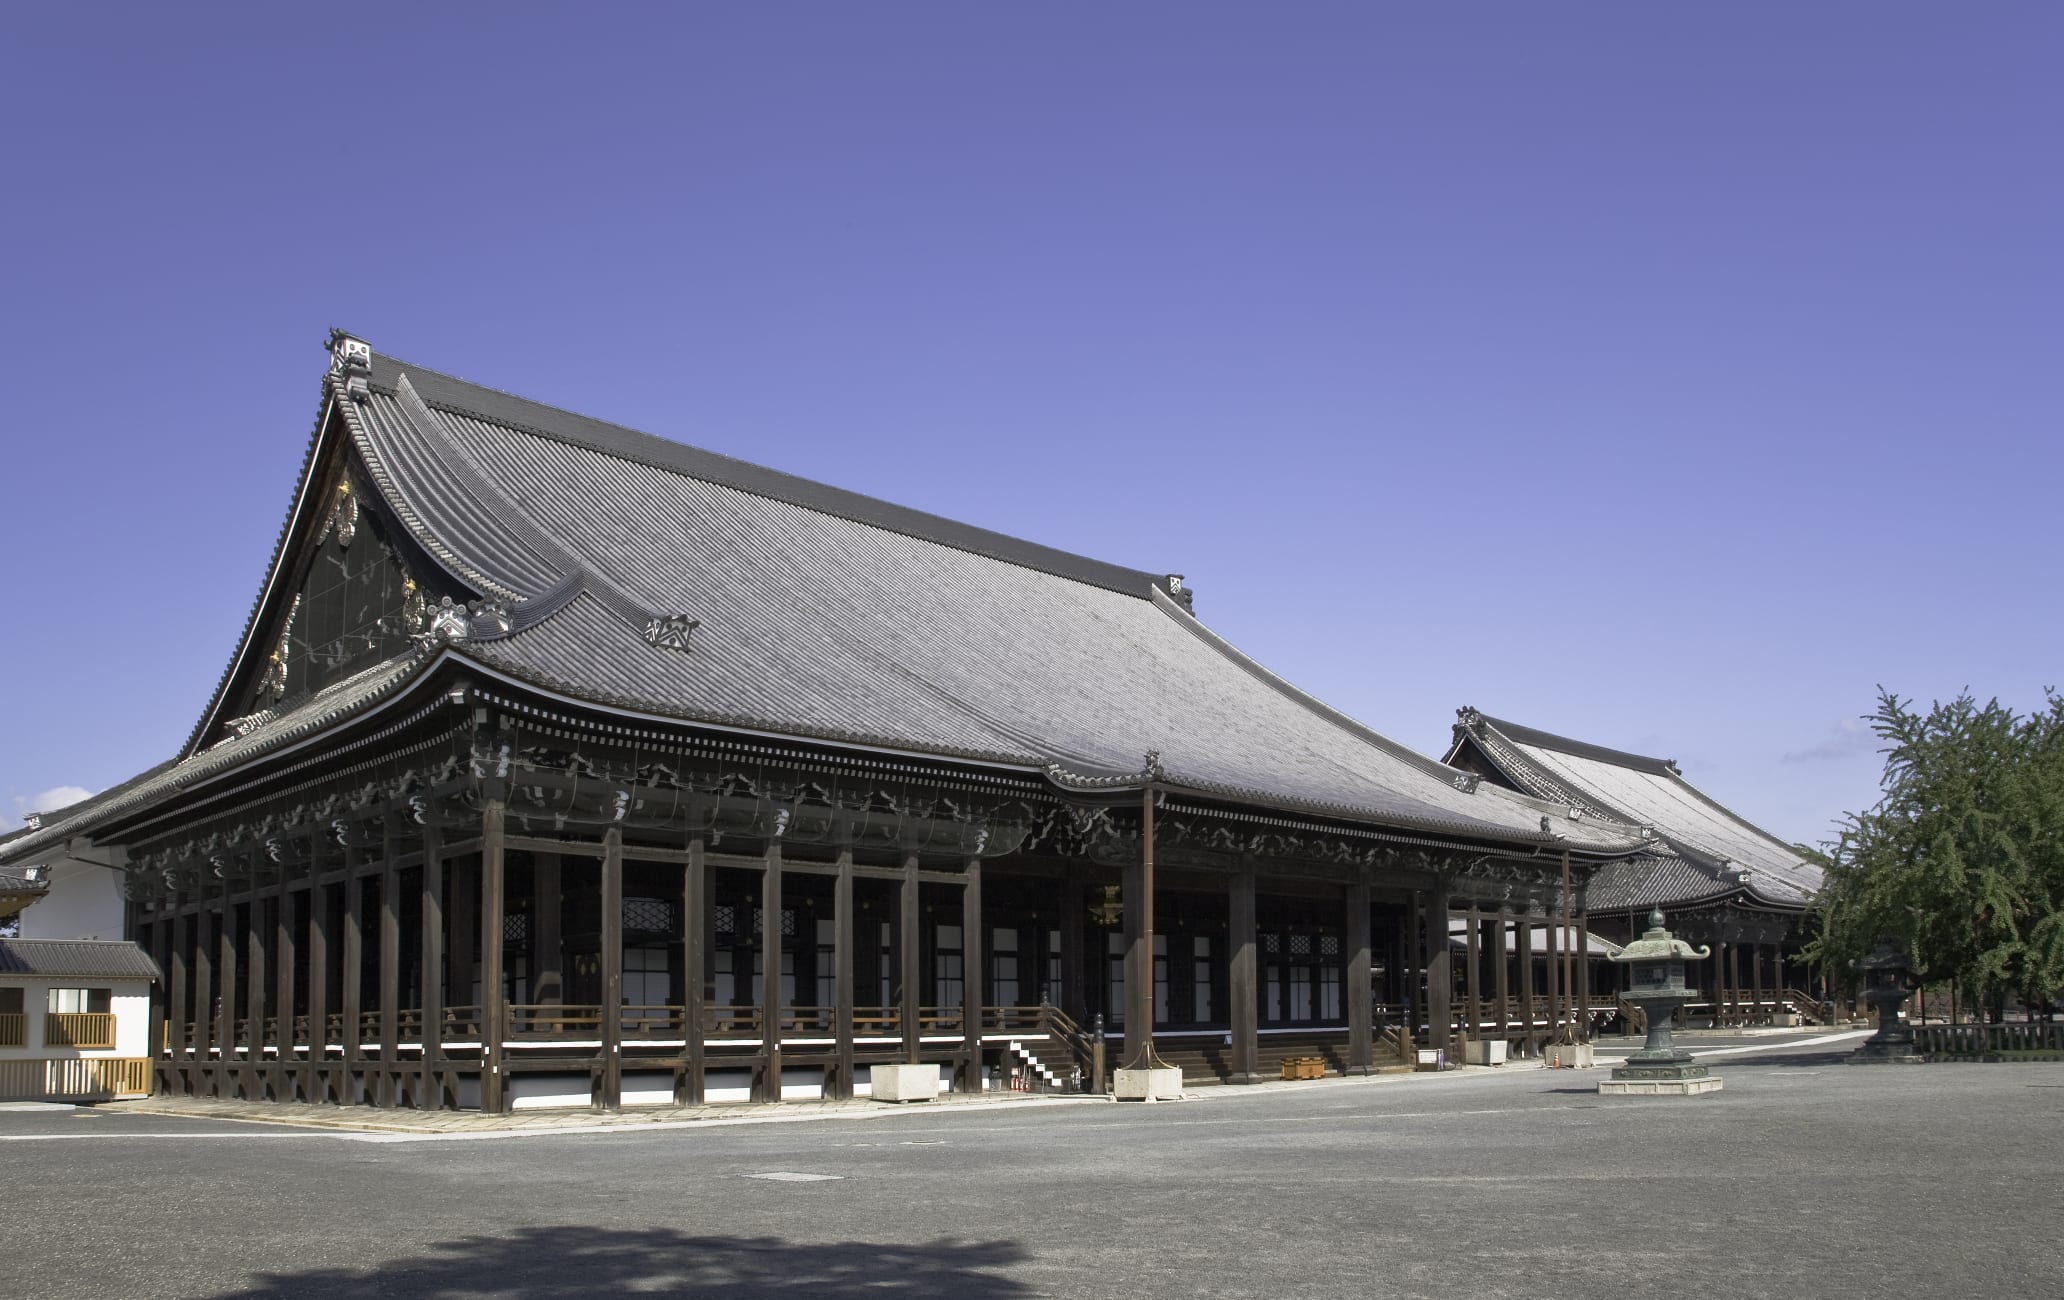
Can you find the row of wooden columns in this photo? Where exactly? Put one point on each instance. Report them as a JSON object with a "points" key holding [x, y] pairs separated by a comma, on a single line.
{"points": [[695, 913], [203, 955]]}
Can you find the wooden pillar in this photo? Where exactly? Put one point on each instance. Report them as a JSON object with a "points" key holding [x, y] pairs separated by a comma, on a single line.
{"points": [[1361, 1047], [226, 990], [204, 988], [1734, 981], [176, 976], [430, 1091], [842, 974], [1756, 977], [971, 968], [390, 971], [255, 988], [770, 976], [319, 953], [695, 920], [285, 987], [351, 970], [1139, 964], [1556, 939], [547, 945], [1524, 932], [907, 955], [494, 1015], [1473, 948], [1440, 978], [610, 1095], [1244, 990], [1500, 958], [1584, 977]]}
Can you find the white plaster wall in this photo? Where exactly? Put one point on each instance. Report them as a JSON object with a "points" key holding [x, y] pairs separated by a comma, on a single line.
{"points": [[129, 999], [131, 1005], [85, 902]]}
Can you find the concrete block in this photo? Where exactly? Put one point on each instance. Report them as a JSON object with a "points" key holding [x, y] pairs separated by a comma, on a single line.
{"points": [[903, 1082], [1147, 1085], [1486, 1051]]}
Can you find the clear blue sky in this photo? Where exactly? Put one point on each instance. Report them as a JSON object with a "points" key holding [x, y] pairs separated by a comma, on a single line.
{"points": [[1665, 375]]}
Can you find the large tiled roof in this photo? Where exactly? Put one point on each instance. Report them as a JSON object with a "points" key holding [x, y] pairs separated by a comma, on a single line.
{"points": [[821, 614], [827, 614], [1711, 851], [76, 959]]}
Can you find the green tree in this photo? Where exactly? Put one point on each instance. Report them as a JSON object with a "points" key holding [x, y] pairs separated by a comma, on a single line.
{"points": [[1962, 857]]}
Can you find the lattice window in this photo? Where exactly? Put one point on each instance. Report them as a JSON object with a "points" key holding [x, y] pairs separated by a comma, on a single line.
{"points": [[727, 919], [648, 915], [516, 929], [1300, 945], [1329, 945], [1272, 943]]}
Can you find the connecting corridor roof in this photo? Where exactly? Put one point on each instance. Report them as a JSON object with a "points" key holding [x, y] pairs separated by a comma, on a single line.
{"points": [[1710, 852]]}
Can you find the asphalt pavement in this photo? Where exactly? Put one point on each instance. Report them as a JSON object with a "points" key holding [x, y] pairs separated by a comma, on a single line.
{"points": [[1805, 1177]]}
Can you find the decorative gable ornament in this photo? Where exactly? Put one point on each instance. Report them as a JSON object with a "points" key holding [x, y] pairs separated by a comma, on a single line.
{"points": [[671, 631], [482, 620], [351, 365]]}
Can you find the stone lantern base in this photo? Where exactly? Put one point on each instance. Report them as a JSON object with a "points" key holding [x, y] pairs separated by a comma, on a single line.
{"points": [[1893, 1052], [1653, 1078]]}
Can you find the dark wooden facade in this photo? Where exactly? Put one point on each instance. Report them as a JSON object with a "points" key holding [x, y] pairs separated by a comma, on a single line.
{"points": [[520, 902]]}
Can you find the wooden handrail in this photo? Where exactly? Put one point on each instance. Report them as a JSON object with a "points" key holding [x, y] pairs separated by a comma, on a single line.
{"points": [[84, 1029]]}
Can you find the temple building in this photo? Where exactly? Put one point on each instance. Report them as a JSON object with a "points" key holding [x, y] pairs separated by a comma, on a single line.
{"points": [[558, 763], [1721, 879]]}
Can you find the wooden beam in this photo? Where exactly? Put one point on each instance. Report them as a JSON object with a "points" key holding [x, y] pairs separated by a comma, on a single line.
{"points": [[537, 844], [494, 1097], [611, 1097]]}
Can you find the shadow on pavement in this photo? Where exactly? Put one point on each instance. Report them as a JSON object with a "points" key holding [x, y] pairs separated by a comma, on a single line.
{"points": [[563, 1263]]}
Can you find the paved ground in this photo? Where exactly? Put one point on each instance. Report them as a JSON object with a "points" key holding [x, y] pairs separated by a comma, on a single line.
{"points": [[1804, 1178]]}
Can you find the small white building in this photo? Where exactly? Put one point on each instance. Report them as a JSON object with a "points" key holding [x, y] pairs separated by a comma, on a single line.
{"points": [[75, 1020]]}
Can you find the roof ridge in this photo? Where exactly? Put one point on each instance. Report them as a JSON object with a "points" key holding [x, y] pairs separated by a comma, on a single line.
{"points": [[527, 415], [1525, 735]]}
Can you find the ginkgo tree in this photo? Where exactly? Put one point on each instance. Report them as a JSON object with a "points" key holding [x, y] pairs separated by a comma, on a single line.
{"points": [[1961, 860]]}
